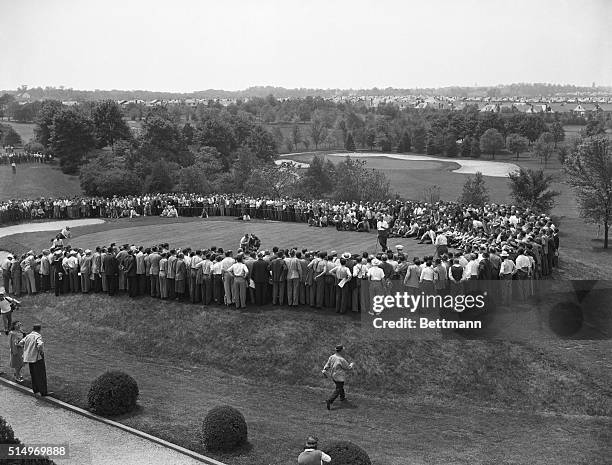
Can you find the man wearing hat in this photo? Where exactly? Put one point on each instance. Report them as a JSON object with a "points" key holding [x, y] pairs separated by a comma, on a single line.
{"points": [[45, 271], [27, 267], [383, 232], [312, 456], [85, 271], [336, 367], [506, 272], [6, 310], [6, 272], [34, 356]]}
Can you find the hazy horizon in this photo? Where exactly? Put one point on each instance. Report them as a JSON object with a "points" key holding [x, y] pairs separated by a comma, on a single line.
{"points": [[192, 45]]}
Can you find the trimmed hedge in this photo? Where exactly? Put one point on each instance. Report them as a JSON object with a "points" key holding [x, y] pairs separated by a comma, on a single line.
{"points": [[224, 429], [7, 436], [347, 453], [113, 393]]}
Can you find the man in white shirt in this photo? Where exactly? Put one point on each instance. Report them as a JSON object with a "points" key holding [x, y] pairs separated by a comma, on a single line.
{"points": [[383, 232], [34, 356], [228, 280], [240, 273]]}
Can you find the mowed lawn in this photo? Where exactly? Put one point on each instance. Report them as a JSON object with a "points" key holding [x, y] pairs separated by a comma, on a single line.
{"points": [[424, 402], [35, 180], [25, 130], [215, 231]]}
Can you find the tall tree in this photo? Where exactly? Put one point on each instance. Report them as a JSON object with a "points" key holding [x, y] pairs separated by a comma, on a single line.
{"points": [[316, 181], [107, 175], [532, 189], [296, 136], [316, 131], [405, 143], [475, 148], [11, 137], [218, 133], [349, 145], [491, 142], [466, 147], [557, 131], [109, 125], [419, 139], [544, 147], [475, 191], [262, 143], [44, 121], [272, 180], [160, 178], [532, 127], [161, 139], [450, 144], [71, 138], [516, 144], [588, 170]]}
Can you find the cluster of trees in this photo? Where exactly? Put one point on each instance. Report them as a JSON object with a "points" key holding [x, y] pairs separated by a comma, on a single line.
{"points": [[215, 153], [8, 136], [349, 180], [588, 170]]}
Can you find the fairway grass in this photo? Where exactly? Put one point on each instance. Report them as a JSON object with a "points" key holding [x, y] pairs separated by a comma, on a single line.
{"points": [[410, 401], [35, 180]]}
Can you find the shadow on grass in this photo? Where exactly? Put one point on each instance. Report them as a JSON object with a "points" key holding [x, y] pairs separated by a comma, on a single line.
{"points": [[245, 449]]}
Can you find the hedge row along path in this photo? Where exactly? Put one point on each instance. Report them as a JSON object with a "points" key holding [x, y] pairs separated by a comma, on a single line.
{"points": [[466, 165], [89, 441]]}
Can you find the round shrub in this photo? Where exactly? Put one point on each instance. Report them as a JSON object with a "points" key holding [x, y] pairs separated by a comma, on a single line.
{"points": [[224, 429], [113, 393], [7, 435], [347, 453]]}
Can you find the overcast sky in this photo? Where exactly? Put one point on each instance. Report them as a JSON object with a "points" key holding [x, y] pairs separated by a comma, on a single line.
{"points": [[182, 45]]}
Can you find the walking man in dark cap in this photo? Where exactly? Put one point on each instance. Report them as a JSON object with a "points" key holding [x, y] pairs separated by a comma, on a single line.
{"points": [[336, 367], [312, 456]]}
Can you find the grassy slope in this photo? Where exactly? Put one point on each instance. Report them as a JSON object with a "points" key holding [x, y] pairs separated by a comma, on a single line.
{"points": [[25, 130], [266, 362], [36, 180]]}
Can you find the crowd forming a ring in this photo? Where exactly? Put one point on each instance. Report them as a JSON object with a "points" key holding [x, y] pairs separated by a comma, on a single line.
{"points": [[468, 244]]}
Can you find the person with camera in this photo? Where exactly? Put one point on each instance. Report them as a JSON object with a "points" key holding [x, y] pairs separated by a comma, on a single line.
{"points": [[7, 305]]}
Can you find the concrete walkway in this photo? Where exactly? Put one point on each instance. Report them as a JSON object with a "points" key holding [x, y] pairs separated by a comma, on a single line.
{"points": [[90, 442], [494, 169]]}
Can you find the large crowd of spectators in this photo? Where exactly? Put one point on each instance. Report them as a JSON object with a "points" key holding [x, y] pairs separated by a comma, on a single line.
{"points": [[9, 155], [470, 246]]}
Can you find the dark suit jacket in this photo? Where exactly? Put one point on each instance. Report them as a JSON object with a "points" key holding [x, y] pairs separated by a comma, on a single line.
{"points": [[279, 270], [261, 271], [129, 264], [111, 265]]}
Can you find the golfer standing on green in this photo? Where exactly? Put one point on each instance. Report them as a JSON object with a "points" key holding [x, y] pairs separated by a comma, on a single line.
{"points": [[336, 367]]}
